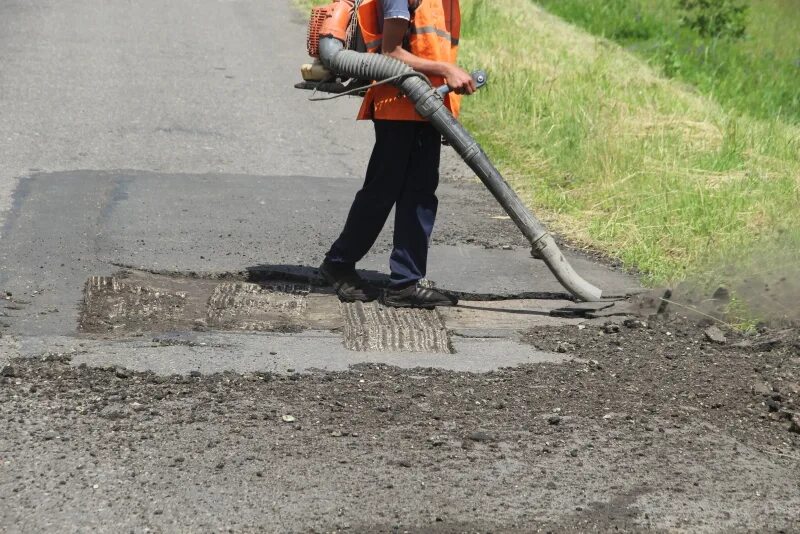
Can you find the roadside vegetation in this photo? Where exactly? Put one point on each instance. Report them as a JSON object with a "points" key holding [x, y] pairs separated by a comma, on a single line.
{"points": [[624, 159], [744, 53], [665, 173]]}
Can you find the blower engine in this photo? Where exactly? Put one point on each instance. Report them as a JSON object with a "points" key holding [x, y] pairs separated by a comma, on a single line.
{"points": [[342, 66], [342, 24], [338, 20]]}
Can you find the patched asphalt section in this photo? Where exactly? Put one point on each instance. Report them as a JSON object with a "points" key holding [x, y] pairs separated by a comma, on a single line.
{"points": [[72, 231], [193, 318]]}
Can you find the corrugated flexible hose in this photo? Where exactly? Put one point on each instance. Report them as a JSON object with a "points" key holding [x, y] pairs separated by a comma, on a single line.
{"points": [[429, 104]]}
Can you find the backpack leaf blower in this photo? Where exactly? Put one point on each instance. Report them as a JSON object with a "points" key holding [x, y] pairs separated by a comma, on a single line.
{"points": [[344, 67]]}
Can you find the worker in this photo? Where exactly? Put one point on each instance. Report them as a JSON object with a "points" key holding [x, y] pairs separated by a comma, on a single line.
{"points": [[403, 169]]}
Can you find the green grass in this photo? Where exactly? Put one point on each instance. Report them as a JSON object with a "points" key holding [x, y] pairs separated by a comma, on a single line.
{"points": [[621, 158], [618, 157], [757, 75]]}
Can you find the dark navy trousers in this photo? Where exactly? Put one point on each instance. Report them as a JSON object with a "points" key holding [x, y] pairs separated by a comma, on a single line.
{"points": [[403, 172]]}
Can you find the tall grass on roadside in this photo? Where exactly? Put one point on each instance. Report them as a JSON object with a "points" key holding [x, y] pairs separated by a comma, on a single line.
{"points": [[757, 74], [622, 159]]}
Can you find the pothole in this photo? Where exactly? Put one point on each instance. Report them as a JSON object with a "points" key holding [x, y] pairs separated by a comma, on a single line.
{"points": [[245, 306], [111, 304], [134, 304], [137, 303]]}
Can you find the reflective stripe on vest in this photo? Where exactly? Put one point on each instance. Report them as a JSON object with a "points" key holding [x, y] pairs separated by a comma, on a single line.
{"points": [[434, 33]]}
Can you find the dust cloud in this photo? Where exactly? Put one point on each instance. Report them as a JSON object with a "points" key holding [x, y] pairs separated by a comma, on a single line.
{"points": [[760, 287]]}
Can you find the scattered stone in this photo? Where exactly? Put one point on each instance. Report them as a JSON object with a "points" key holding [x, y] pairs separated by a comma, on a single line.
{"points": [[437, 441], [8, 371], [200, 325], [564, 347], [715, 335], [665, 299], [113, 412], [573, 453], [195, 374], [551, 485], [722, 295], [404, 463], [337, 434], [765, 343], [554, 419], [762, 389], [121, 372], [794, 426], [480, 436], [288, 418], [634, 323], [772, 405], [610, 328]]}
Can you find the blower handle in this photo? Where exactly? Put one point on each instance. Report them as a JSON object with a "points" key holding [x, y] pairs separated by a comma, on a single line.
{"points": [[480, 77]]}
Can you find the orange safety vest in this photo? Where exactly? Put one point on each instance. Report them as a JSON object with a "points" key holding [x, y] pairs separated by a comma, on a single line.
{"points": [[434, 32]]}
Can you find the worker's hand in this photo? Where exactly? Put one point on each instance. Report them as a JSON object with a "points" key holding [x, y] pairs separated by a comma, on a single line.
{"points": [[460, 81]]}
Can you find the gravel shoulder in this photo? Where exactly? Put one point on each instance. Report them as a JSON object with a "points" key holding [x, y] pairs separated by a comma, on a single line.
{"points": [[647, 428]]}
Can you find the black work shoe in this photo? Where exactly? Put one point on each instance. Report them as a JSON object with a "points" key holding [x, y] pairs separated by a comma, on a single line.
{"points": [[348, 285], [416, 296]]}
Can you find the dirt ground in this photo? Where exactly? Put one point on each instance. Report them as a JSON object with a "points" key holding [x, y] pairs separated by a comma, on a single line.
{"points": [[652, 426]]}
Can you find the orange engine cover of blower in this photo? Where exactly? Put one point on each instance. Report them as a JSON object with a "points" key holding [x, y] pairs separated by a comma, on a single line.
{"points": [[329, 21]]}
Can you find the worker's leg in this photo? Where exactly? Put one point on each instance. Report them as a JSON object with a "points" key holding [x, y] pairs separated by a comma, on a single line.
{"points": [[385, 180], [415, 212]]}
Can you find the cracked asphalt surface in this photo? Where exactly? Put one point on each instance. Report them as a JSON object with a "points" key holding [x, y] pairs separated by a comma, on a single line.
{"points": [[554, 425]]}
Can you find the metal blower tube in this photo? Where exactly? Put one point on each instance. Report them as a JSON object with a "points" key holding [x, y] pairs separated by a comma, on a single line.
{"points": [[429, 104]]}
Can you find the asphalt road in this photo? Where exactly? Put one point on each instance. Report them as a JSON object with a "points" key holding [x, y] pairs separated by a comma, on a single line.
{"points": [[184, 86], [169, 138], [163, 142]]}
